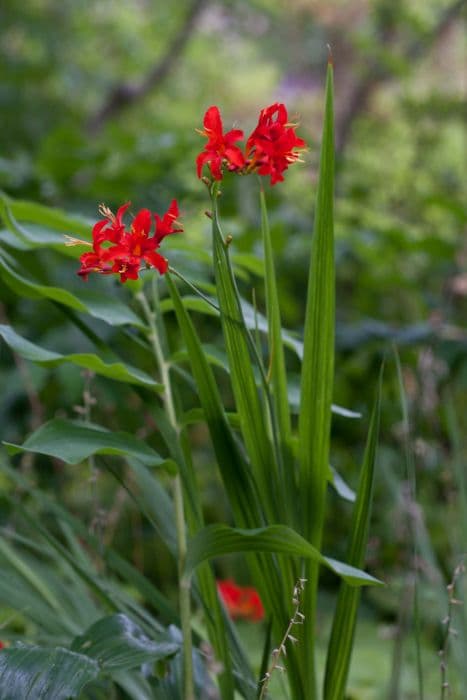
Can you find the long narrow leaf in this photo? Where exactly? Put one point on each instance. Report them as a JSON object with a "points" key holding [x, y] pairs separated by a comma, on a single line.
{"points": [[317, 383], [277, 369], [251, 411], [343, 628]]}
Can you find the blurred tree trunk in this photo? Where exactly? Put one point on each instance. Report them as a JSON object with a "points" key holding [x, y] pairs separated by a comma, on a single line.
{"points": [[125, 95], [376, 73]]}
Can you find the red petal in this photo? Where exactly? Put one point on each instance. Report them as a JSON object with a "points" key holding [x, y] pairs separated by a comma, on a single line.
{"points": [[157, 261], [213, 122], [121, 212], [142, 222]]}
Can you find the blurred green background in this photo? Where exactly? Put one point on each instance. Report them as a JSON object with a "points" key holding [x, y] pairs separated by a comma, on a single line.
{"points": [[100, 102]]}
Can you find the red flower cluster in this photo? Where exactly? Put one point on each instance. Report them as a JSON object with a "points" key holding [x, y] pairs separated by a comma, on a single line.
{"points": [[241, 601], [120, 251], [270, 149]]}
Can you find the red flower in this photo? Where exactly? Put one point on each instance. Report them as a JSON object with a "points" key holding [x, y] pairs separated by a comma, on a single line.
{"points": [[128, 249], [220, 147], [2, 646], [271, 147], [241, 601]]}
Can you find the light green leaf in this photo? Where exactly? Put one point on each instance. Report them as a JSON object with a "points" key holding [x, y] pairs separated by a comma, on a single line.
{"points": [[39, 673], [108, 309], [56, 219], [115, 370], [73, 442], [116, 642]]}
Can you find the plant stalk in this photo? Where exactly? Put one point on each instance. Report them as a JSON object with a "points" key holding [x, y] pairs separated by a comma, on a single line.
{"points": [[177, 488]]}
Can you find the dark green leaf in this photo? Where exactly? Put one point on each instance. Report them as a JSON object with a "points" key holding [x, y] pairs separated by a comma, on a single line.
{"points": [[73, 442], [116, 642], [343, 628], [35, 673], [116, 370]]}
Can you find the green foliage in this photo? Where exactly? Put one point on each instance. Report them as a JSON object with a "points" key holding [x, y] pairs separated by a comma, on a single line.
{"points": [[251, 448], [40, 673]]}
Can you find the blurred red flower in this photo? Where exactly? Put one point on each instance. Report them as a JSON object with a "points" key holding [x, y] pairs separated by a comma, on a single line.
{"points": [[128, 249], [241, 601], [220, 147]]}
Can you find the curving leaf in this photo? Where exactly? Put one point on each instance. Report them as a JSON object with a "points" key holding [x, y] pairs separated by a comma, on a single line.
{"points": [[217, 540], [23, 210], [108, 309], [39, 673], [116, 642], [115, 370], [74, 441]]}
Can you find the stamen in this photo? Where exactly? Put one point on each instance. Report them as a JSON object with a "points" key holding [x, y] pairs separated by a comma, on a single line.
{"points": [[107, 213], [72, 241]]}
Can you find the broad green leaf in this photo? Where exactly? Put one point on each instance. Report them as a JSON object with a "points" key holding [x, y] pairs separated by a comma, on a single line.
{"points": [[38, 237], [116, 642], [39, 673], [314, 419], [73, 442], [115, 370], [31, 235], [343, 628], [56, 219], [218, 540], [106, 308]]}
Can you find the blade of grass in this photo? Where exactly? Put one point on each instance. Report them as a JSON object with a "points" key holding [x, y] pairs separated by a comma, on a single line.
{"points": [[234, 471], [343, 627], [316, 384], [282, 423], [413, 523], [251, 411]]}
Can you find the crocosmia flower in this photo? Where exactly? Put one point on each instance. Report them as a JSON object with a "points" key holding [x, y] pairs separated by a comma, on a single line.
{"points": [[122, 251], [273, 145], [242, 602], [220, 148], [269, 150]]}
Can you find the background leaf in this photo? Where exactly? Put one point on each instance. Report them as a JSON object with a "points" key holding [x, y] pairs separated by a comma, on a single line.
{"points": [[41, 674], [73, 442]]}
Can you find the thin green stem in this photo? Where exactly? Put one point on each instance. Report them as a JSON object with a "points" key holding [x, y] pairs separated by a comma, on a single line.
{"points": [[194, 288], [184, 584]]}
